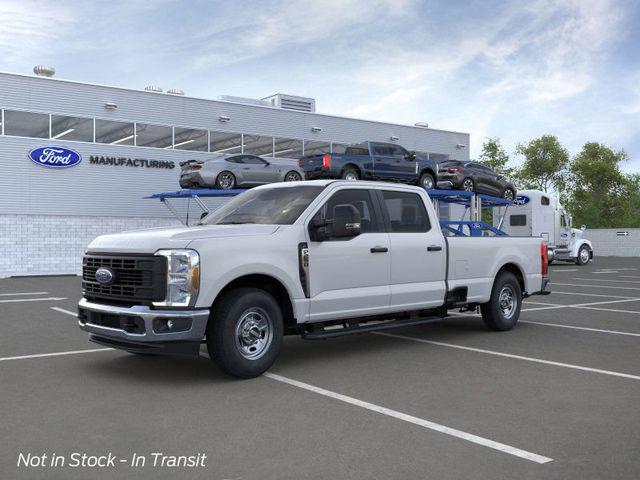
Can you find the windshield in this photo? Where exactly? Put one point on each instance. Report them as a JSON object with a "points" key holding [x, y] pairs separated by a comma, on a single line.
{"points": [[272, 206]]}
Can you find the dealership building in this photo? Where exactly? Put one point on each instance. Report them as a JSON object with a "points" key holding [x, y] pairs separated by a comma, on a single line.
{"points": [[127, 144]]}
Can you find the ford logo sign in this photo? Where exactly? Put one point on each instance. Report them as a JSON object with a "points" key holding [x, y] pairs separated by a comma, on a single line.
{"points": [[55, 157], [521, 200], [105, 276]]}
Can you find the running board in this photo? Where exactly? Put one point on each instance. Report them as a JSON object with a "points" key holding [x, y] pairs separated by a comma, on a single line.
{"points": [[349, 330]]}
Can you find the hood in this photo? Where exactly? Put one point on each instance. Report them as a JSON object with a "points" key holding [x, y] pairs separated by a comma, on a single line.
{"points": [[577, 233], [148, 241]]}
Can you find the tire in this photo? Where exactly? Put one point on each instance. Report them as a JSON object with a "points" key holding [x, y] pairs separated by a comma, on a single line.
{"points": [[427, 181], [225, 180], [501, 312], [244, 334], [350, 173], [508, 194], [293, 176], [584, 255], [468, 185]]}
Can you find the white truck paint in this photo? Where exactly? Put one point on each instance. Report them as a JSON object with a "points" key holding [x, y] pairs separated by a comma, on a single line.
{"points": [[539, 214], [352, 254]]}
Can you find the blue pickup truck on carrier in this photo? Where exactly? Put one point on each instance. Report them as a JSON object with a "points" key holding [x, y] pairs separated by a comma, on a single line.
{"points": [[372, 161]]}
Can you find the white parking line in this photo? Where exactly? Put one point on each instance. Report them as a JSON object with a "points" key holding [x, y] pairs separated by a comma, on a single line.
{"points": [[555, 292], [564, 270], [575, 327], [629, 276], [611, 310], [606, 280], [56, 354], [595, 286], [15, 300], [535, 309], [414, 420], [62, 310], [584, 305], [509, 355], [23, 293]]}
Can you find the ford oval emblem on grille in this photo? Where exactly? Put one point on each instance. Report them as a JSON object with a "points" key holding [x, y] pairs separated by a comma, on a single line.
{"points": [[105, 276]]}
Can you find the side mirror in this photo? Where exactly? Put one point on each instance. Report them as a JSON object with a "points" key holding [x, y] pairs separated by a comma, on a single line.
{"points": [[410, 156], [319, 229], [346, 221], [583, 228], [203, 214]]}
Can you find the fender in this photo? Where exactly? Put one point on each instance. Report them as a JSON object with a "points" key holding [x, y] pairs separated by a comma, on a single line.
{"points": [[576, 246]]}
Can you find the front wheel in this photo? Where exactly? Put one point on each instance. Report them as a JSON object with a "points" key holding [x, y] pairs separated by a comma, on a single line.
{"points": [[502, 310], [225, 180], [584, 255], [508, 194], [292, 176], [427, 181], [244, 334]]}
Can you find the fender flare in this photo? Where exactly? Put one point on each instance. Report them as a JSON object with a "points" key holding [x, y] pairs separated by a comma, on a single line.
{"points": [[580, 243]]}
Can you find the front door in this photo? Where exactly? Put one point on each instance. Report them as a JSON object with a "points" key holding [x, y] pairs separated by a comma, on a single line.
{"points": [[418, 255], [350, 277], [256, 171]]}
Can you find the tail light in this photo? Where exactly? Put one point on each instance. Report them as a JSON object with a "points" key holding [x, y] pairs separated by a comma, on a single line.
{"points": [[326, 161], [454, 170], [196, 167], [298, 163], [544, 255]]}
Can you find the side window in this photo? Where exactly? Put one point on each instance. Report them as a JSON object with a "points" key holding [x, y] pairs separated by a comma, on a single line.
{"points": [[518, 220], [397, 151], [238, 159], [253, 160], [406, 211], [544, 200], [382, 150], [360, 199]]}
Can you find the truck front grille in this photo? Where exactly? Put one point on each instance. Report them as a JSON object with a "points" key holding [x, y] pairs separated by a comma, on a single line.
{"points": [[137, 278]]}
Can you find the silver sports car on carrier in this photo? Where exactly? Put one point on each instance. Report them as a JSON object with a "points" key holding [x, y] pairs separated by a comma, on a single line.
{"points": [[238, 170]]}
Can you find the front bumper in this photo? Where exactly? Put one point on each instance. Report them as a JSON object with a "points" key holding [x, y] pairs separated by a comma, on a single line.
{"points": [[142, 329]]}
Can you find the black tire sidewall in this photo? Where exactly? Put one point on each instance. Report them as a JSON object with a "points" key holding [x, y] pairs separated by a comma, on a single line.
{"points": [[578, 259], [491, 313], [422, 177], [222, 326]]}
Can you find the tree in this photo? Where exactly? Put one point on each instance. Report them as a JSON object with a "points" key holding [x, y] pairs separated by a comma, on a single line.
{"points": [[545, 164], [600, 194], [494, 156]]}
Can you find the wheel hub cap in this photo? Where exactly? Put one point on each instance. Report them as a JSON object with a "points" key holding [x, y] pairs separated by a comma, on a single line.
{"points": [[350, 176], [508, 301], [584, 255], [254, 333]]}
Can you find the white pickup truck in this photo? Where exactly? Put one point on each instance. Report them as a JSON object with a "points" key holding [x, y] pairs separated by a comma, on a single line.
{"points": [[317, 259]]}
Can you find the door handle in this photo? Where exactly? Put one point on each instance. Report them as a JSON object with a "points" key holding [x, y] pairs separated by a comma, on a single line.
{"points": [[379, 250], [434, 248]]}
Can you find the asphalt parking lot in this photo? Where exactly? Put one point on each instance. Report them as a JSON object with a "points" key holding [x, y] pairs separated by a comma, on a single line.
{"points": [[557, 397]]}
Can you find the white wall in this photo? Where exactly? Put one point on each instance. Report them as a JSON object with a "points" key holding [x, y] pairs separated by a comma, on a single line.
{"points": [[607, 242]]}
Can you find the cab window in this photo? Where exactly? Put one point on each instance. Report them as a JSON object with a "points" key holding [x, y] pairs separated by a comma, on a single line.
{"points": [[360, 199], [544, 200], [406, 211]]}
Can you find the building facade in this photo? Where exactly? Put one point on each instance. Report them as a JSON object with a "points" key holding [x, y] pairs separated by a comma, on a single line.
{"points": [[127, 144]]}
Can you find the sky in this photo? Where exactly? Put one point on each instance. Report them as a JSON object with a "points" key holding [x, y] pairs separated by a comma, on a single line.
{"points": [[509, 69]]}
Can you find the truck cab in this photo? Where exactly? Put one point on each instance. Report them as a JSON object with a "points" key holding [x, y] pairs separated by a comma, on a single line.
{"points": [[535, 213]]}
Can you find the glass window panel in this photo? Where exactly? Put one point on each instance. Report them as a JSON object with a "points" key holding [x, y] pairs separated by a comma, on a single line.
{"points": [[222, 142], [438, 157], [316, 148], [257, 145], [71, 128], [26, 124], [190, 139], [157, 136], [338, 147], [287, 148], [115, 133]]}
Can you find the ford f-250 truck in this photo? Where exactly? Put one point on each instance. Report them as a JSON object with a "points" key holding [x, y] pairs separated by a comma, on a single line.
{"points": [[317, 259], [372, 161]]}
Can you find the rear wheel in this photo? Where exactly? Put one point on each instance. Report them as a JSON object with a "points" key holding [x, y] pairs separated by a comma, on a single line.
{"points": [[584, 255], [244, 334], [468, 185], [350, 173], [508, 194], [292, 176], [225, 180], [502, 311], [427, 181]]}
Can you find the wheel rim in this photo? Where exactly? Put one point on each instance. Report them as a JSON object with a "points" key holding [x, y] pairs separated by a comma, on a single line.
{"points": [[508, 301], [427, 182], [508, 194], [467, 185], [293, 177], [254, 333], [351, 176], [584, 255], [226, 181]]}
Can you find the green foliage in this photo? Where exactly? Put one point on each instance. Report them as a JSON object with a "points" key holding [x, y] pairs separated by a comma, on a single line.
{"points": [[494, 156], [599, 193], [545, 164]]}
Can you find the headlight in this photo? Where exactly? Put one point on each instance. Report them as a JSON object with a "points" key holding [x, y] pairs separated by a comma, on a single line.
{"points": [[183, 278]]}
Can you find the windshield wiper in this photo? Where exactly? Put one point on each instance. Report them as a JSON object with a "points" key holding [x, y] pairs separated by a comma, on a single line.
{"points": [[233, 222]]}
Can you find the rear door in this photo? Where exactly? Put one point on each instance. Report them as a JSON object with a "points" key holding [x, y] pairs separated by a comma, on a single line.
{"points": [[383, 160], [350, 277], [418, 254]]}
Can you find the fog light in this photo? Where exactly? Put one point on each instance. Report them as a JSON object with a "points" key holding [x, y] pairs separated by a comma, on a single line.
{"points": [[171, 325]]}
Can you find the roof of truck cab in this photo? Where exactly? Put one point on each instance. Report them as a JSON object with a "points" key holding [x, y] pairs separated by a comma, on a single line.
{"points": [[324, 183]]}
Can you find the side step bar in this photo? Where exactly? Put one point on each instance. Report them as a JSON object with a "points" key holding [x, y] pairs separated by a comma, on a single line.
{"points": [[339, 332]]}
